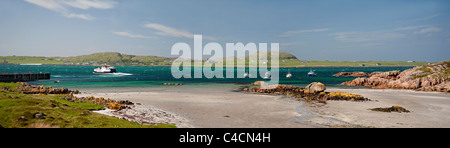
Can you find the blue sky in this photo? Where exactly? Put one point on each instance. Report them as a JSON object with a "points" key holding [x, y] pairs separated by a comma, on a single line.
{"points": [[335, 30]]}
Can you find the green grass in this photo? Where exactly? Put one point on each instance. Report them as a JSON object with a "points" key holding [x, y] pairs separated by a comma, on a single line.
{"points": [[10, 85], [17, 111]]}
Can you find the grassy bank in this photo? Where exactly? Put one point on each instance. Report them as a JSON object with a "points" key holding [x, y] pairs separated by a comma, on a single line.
{"points": [[19, 110]]}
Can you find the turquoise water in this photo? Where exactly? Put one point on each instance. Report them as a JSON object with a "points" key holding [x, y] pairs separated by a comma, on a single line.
{"points": [[83, 76]]}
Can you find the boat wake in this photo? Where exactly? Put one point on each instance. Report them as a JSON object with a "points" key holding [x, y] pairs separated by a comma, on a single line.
{"points": [[118, 74], [122, 74]]}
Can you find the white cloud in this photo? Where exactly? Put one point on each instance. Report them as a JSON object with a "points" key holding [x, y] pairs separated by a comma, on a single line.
{"points": [[411, 27], [426, 18], [365, 36], [428, 30], [49, 4], [63, 6], [168, 31], [86, 4], [130, 35], [362, 45], [80, 16], [292, 33]]}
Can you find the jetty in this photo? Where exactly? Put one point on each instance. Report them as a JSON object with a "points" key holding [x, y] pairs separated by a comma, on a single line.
{"points": [[23, 77]]}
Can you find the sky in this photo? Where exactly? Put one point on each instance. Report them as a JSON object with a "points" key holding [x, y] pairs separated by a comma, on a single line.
{"points": [[335, 30]]}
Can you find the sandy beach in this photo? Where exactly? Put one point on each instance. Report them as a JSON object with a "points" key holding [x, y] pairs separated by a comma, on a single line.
{"points": [[428, 109], [219, 106]]}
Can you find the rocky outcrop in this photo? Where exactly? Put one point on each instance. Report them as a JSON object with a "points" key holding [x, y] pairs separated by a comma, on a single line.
{"points": [[316, 93], [435, 77], [26, 88], [352, 74], [110, 104], [173, 84]]}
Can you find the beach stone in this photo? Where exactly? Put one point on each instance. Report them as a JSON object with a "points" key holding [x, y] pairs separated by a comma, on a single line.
{"points": [[315, 87], [39, 116]]}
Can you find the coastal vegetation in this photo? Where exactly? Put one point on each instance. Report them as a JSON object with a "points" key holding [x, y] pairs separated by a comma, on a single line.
{"points": [[118, 59], [19, 110]]}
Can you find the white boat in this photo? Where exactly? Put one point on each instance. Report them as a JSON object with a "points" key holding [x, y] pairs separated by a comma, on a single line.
{"points": [[267, 75], [247, 75], [289, 75], [105, 69]]}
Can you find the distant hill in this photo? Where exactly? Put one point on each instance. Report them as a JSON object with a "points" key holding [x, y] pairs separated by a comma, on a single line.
{"points": [[115, 58], [108, 58], [118, 59]]}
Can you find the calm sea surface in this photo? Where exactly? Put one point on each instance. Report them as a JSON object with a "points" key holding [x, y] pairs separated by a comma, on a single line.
{"points": [[83, 76]]}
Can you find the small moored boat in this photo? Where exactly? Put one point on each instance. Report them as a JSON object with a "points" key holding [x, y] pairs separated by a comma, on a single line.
{"points": [[311, 73], [289, 75], [267, 75]]}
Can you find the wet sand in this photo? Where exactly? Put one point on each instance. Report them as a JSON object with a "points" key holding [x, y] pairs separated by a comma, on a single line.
{"points": [[220, 107]]}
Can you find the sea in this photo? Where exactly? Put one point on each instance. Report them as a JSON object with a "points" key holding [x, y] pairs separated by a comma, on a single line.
{"points": [[129, 77]]}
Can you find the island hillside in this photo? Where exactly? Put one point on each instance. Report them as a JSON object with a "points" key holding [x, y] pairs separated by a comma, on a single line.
{"points": [[119, 59]]}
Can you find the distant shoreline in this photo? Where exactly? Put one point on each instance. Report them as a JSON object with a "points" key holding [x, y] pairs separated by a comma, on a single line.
{"points": [[286, 60], [320, 66]]}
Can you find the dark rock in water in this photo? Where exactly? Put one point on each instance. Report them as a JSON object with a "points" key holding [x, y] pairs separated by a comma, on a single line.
{"points": [[352, 74], [173, 84]]}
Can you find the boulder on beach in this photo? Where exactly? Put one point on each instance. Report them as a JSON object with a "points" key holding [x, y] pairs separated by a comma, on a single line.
{"points": [[315, 87]]}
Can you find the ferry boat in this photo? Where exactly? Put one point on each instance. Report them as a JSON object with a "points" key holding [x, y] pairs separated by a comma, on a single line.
{"points": [[105, 69]]}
